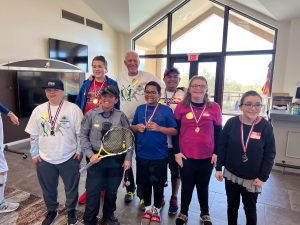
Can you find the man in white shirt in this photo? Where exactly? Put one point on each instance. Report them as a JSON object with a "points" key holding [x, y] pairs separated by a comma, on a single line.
{"points": [[131, 84], [54, 128], [171, 96]]}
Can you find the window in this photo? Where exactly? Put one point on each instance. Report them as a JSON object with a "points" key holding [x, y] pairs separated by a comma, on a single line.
{"points": [[246, 47]]}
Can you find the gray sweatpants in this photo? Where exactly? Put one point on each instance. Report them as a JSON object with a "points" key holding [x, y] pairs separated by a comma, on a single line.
{"points": [[48, 175]]}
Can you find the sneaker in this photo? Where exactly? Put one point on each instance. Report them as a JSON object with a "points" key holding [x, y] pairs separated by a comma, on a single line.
{"points": [[155, 219], [181, 219], [82, 198], [173, 208], [206, 220], [50, 217], [142, 204], [146, 218], [129, 197], [111, 220], [72, 218], [7, 206]]}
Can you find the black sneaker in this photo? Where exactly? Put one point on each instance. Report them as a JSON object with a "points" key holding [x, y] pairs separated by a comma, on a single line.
{"points": [[111, 220], [181, 219], [128, 197], [206, 220], [72, 218], [50, 217]]}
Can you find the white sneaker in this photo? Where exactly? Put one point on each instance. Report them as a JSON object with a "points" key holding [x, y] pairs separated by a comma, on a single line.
{"points": [[7, 206]]}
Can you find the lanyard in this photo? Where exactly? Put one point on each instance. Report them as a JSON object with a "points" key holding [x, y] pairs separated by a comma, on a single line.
{"points": [[197, 120], [245, 146], [97, 92], [152, 115], [52, 122], [168, 101]]}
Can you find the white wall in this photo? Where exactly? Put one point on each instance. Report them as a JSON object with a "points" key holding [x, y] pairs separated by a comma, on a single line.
{"points": [[292, 71], [27, 25]]}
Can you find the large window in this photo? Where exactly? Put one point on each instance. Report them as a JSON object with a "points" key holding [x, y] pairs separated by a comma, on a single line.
{"points": [[236, 51], [196, 24], [150, 42]]}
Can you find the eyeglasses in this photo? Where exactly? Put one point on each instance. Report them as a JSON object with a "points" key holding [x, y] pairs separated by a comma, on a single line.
{"points": [[202, 86], [151, 92], [249, 105]]}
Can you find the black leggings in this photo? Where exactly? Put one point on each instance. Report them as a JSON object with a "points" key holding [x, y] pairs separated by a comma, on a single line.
{"points": [[233, 192], [195, 172]]}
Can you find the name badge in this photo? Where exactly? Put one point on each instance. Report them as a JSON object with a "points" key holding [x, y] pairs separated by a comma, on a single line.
{"points": [[206, 114], [255, 135]]}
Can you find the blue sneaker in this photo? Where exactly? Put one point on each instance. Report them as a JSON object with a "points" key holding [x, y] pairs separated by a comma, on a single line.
{"points": [[173, 208]]}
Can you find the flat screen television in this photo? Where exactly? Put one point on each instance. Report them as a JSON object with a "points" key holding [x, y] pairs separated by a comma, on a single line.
{"points": [[73, 53], [30, 91]]}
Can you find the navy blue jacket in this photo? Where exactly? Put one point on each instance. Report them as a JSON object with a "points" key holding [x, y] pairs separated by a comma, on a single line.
{"points": [[3, 109], [84, 90]]}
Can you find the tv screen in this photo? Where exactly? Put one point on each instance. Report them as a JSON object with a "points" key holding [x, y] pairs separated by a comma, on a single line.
{"points": [[73, 53], [30, 91]]}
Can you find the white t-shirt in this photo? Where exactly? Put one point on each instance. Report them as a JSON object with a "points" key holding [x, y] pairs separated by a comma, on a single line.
{"points": [[171, 99], [132, 90], [61, 146]]}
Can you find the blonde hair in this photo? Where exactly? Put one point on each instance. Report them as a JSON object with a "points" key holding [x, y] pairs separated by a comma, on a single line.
{"points": [[188, 98]]}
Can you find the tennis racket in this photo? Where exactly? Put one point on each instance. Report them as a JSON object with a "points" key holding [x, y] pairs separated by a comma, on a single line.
{"points": [[116, 141]]}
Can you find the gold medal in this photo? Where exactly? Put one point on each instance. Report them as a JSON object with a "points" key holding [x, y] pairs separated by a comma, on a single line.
{"points": [[95, 101], [189, 116], [134, 82], [161, 101], [197, 130]]}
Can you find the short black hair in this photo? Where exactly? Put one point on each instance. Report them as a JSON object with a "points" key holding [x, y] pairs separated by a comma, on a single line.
{"points": [[155, 84]]}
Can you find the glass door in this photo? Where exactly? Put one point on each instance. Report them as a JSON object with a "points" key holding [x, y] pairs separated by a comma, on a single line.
{"points": [[209, 67]]}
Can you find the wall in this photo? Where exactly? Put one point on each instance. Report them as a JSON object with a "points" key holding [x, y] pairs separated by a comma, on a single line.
{"points": [[292, 71], [27, 25]]}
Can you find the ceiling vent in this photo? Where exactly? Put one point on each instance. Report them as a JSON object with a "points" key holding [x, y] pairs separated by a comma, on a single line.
{"points": [[94, 24], [73, 17]]}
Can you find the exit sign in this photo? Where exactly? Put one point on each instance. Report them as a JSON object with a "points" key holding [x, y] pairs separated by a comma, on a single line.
{"points": [[193, 57]]}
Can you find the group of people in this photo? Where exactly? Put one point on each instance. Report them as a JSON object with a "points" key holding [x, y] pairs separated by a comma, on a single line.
{"points": [[174, 126]]}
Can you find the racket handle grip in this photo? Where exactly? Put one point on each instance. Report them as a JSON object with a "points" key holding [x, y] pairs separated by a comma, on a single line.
{"points": [[83, 169]]}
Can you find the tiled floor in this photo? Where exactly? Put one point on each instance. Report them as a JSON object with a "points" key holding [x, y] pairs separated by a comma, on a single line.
{"points": [[279, 202]]}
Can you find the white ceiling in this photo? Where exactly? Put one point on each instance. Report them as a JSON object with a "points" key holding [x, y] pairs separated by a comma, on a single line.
{"points": [[280, 10], [127, 15]]}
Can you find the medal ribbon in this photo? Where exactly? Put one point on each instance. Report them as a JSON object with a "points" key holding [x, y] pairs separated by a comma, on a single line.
{"points": [[97, 91], [152, 115], [52, 122], [168, 101], [245, 146], [197, 120]]}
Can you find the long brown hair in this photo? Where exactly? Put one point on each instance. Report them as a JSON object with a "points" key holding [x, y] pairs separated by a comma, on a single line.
{"points": [[188, 98]]}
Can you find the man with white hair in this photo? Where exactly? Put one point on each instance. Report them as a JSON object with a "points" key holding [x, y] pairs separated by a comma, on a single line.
{"points": [[131, 85]]}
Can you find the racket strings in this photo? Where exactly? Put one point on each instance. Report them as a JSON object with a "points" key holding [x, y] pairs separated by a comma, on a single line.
{"points": [[118, 140]]}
